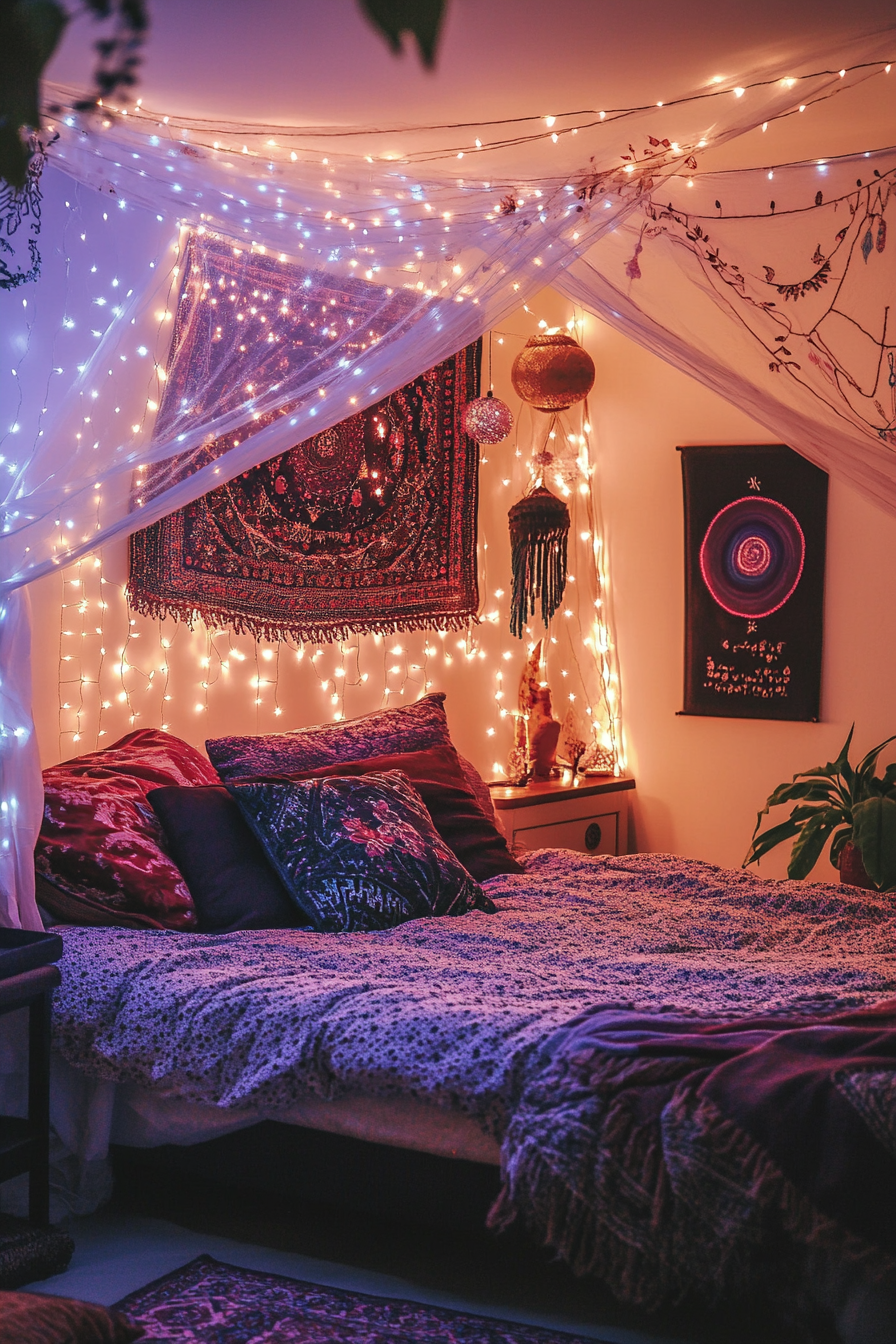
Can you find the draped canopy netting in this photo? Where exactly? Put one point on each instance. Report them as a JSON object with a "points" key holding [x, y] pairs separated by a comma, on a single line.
{"points": [[395, 263], [775, 288]]}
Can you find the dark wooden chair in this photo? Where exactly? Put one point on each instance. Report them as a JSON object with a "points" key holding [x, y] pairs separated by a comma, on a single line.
{"points": [[25, 1143]]}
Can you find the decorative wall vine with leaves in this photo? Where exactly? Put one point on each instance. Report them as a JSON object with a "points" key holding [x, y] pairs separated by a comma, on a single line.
{"points": [[772, 308]]}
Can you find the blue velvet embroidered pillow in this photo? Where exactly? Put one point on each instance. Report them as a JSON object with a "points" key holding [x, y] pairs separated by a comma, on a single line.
{"points": [[358, 853]]}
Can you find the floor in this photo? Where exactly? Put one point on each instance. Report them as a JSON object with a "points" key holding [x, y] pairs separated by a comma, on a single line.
{"points": [[117, 1253], [152, 1227]]}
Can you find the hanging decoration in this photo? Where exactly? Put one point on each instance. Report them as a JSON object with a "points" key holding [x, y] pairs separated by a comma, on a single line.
{"points": [[488, 419], [754, 582], [552, 372], [772, 287], [18, 205], [539, 526], [367, 526]]}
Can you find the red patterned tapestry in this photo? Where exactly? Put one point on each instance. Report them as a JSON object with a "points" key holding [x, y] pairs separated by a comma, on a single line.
{"points": [[370, 526]]}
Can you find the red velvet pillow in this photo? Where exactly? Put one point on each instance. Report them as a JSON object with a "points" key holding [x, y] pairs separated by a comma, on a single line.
{"points": [[438, 777], [102, 844]]}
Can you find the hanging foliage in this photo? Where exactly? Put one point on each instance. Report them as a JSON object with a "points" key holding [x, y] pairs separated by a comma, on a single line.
{"points": [[539, 526], [30, 31]]}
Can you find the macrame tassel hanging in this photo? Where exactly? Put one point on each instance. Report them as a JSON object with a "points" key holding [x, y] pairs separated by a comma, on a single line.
{"points": [[539, 524]]}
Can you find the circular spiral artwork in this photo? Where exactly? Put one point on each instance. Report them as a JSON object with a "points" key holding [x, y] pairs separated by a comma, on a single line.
{"points": [[752, 556]]}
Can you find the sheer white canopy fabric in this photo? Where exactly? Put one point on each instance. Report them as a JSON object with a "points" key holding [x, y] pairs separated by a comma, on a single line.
{"points": [[393, 265], [775, 288]]}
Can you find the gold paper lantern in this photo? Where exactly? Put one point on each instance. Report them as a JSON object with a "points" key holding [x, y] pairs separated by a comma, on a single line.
{"points": [[552, 372]]}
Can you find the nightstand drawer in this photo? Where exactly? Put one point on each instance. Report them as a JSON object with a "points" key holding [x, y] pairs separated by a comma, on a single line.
{"points": [[598, 834], [589, 815]]}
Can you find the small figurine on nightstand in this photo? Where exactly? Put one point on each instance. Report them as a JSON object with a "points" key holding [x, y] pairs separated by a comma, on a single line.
{"points": [[572, 741], [517, 771], [537, 731], [544, 733], [598, 758]]}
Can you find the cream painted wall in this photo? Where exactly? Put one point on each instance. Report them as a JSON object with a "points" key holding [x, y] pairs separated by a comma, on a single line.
{"points": [[699, 781], [702, 780]]}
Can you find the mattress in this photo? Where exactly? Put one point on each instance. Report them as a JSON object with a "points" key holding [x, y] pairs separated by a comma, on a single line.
{"points": [[143, 1118]]}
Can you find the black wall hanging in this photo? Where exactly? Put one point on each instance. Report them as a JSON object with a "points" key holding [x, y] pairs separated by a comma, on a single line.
{"points": [[755, 523]]}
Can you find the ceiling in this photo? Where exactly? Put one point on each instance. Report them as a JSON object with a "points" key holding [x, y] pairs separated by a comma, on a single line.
{"points": [[295, 62]]}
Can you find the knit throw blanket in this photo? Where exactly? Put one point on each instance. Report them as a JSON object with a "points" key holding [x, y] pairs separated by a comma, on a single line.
{"points": [[670, 1154]]}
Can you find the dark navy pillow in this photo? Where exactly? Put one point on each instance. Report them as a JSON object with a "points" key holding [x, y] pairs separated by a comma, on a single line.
{"points": [[357, 853], [232, 884]]}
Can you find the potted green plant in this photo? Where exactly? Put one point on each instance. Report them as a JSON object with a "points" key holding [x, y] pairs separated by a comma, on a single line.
{"points": [[849, 805]]}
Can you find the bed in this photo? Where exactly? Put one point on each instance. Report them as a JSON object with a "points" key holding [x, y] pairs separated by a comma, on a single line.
{"points": [[686, 1074]]}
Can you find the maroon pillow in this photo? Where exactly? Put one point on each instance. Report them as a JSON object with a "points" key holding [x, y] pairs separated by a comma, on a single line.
{"points": [[438, 777], [102, 844], [413, 727]]}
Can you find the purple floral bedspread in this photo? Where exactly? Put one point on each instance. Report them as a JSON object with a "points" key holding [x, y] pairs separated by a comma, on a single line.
{"points": [[459, 1012]]}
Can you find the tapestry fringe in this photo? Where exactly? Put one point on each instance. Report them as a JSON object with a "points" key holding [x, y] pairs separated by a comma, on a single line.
{"points": [[304, 633]]}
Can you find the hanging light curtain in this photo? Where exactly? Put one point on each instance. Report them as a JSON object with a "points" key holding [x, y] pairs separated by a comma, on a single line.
{"points": [[421, 255]]}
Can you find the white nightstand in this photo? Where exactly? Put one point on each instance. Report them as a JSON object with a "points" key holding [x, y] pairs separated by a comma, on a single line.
{"points": [[590, 814]]}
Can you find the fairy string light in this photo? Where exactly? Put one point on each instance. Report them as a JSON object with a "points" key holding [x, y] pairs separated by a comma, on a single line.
{"points": [[290, 144], [479, 660], [100, 629]]}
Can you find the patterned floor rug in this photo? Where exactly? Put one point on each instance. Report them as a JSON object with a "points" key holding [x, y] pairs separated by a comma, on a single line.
{"points": [[207, 1302]]}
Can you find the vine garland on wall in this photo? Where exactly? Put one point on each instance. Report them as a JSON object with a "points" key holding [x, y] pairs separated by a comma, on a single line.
{"points": [[822, 319]]}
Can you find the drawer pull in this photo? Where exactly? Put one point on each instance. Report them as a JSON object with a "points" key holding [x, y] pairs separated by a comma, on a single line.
{"points": [[592, 836]]}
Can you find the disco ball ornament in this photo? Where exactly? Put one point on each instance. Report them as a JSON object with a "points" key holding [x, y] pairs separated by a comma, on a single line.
{"points": [[553, 372], [487, 419]]}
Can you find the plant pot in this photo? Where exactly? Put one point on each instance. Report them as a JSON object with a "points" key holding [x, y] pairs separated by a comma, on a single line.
{"points": [[852, 869]]}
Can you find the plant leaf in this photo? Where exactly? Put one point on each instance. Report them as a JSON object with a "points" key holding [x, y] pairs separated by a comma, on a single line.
{"points": [[802, 813], [841, 765], [869, 761], [811, 841], [810, 789], [423, 18], [874, 833], [761, 845], [29, 33]]}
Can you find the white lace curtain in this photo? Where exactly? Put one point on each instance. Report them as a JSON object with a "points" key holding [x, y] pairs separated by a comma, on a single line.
{"points": [[394, 265]]}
